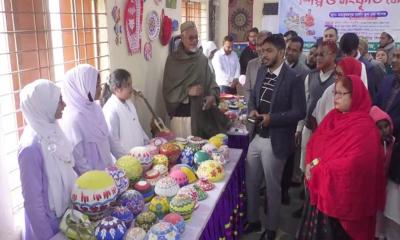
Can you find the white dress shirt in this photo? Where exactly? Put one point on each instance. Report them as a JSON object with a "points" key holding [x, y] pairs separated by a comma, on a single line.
{"points": [[226, 67]]}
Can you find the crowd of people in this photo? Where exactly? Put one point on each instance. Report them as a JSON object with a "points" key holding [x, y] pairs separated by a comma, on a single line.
{"points": [[338, 109]]}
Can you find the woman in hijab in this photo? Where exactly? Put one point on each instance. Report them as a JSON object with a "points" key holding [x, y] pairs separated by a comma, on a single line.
{"points": [[344, 171], [209, 49], [84, 123], [45, 160]]}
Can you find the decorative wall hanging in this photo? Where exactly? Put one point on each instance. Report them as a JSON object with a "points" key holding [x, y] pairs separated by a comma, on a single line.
{"points": [[170, 4], [133, 25], [166, 29], [147, 51], [240, 19], [153, 25], [116, 14]]}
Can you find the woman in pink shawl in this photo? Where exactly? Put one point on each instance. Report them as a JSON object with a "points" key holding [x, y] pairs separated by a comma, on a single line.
{"points": [[83, 120]]}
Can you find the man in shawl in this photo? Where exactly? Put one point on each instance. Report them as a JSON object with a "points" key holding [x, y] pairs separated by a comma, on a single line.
{"points": [[190, 91]]}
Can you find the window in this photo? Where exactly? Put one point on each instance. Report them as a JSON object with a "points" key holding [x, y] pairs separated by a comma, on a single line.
{"points": [[43, 39], [196, 11]]}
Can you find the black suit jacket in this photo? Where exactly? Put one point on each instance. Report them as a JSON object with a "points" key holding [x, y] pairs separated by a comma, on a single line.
{"points": [[288, 106]]}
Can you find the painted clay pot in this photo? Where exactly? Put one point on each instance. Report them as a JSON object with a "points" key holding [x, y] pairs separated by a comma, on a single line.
{"points": [[216, 141], [212, 170], [132, 167], [145, 189], [133, 200], [189, 171], [146, 220], [166, 187], [163, 231], [187, 155], [152, 176], [198, 141], [224, 138], [110, 228], [183, 205], [191, 192], [162, 169], [168, 135], [208, 148], [154, 150], [200, 192], [180, 177], [181, 142], [119, 177], [123, 214], [144, 155], [177, 220], [135, 233], [158, 141], [204, 184], [160, 159], [159, 206], [218, 156], [200, 157], [172, 151]]}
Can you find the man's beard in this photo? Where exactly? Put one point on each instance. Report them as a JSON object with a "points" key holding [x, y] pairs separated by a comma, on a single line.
{"points": [[193, 50]]}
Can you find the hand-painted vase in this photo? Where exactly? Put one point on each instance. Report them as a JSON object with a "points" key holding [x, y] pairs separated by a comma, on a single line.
{"points": [[187, 155], [110, 228]]}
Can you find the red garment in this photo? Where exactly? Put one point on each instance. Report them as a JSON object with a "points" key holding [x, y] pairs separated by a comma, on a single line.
{"points": [[350, 66], [252, 47], [348, 182]]}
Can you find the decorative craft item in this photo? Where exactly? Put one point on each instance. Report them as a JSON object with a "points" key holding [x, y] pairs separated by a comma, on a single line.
{"points": [[240, 19], [166, 187], [144, 155], [145, 189], [201, 156], [179, 177], [205, 185], [153, 149], [93, 193], [212, 170], [183, 205], [202, 194], [209, 148], [133, 25], [116, 14], [152, 176], [158, 141], [218, 156], [160, 206], [110, 228], [188, 171], [123, 214], [119, 177], [169, 135], [177, 220], [166, 29], [135, 233], [153, 25], [147, 51], [187, 155], [133, 200], [216, 141], [191, 192], [163, 231], [181, 142], [146, 220], [172, 151], [198, 141], [76, 225], [132, 167], [162, 169], [160, 159]]}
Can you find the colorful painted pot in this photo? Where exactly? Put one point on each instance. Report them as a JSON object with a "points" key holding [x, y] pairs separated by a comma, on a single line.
{"points": [[93, 192], [216, 141], [160, 159], [187, 155], [218, 156], [135, 233], [177, 220], [76, 225], [191, 192], [144, 155], [110, 228], [160, 206], [201, 156], [146, 220], [158, 141], [189, 171], [212, 170], [200, 192], [172, 151], [181, 142], [204, 184], [119, 177], [132, 167], [162, 169], [145, 189], [152, 176], [123, 214], [198, 141], [208, 148], [154, 150], [224, 138], [166, 187], [168, 135], [163, 231], [180, 177], [183, 205], [133, 200]]}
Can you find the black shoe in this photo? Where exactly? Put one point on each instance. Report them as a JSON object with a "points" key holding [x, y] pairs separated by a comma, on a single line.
{"points": [[298, 213], [268, 235], [252, 227], [285, 198]]}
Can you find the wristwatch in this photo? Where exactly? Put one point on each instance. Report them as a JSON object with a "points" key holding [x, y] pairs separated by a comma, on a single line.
{"points": [[314, 162]]}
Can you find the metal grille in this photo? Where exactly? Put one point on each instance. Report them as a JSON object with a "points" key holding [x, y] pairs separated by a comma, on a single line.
{"points": [[43, 39], [196, 11]]}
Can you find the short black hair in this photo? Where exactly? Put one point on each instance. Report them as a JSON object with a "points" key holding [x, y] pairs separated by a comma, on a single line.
{"points": [[277, 40], [291, 33], [349, 42], [254, 30], [298, 40], [228, 39], [333, 28]]}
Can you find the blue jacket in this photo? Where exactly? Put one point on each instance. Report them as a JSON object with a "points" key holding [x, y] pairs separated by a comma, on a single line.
{"points": [[288, 106]]}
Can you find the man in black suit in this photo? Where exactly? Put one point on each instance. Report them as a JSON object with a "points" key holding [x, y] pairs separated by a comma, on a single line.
{"points": [[278, 103]]}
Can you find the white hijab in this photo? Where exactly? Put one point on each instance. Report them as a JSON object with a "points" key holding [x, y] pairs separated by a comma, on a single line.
{"points": [[208, 47], [39, 102]]}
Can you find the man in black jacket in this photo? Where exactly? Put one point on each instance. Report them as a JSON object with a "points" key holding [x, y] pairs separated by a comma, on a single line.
{"points": [[249, 52]]}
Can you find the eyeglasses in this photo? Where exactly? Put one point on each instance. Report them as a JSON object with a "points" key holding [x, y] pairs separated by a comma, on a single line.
{"points": [[340, 94]]}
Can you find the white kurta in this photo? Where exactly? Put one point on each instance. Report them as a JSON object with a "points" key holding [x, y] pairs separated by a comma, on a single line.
{"points": [[123, 123], [226, 67]]}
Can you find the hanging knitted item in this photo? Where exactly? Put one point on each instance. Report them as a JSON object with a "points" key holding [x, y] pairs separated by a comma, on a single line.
{"points": [[133, 25], [116, 14], [166, 29]]}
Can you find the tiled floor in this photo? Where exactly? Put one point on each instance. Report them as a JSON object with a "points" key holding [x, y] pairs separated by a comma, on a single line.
{"points": [[288, 224]]}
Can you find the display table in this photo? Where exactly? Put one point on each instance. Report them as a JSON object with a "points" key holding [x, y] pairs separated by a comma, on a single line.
{"points": [[221, 214]]}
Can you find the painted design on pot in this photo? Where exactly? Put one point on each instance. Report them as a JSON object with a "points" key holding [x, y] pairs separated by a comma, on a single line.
{"points": [[110, 228], [133, 200], [119, 177], [132, 167]]}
